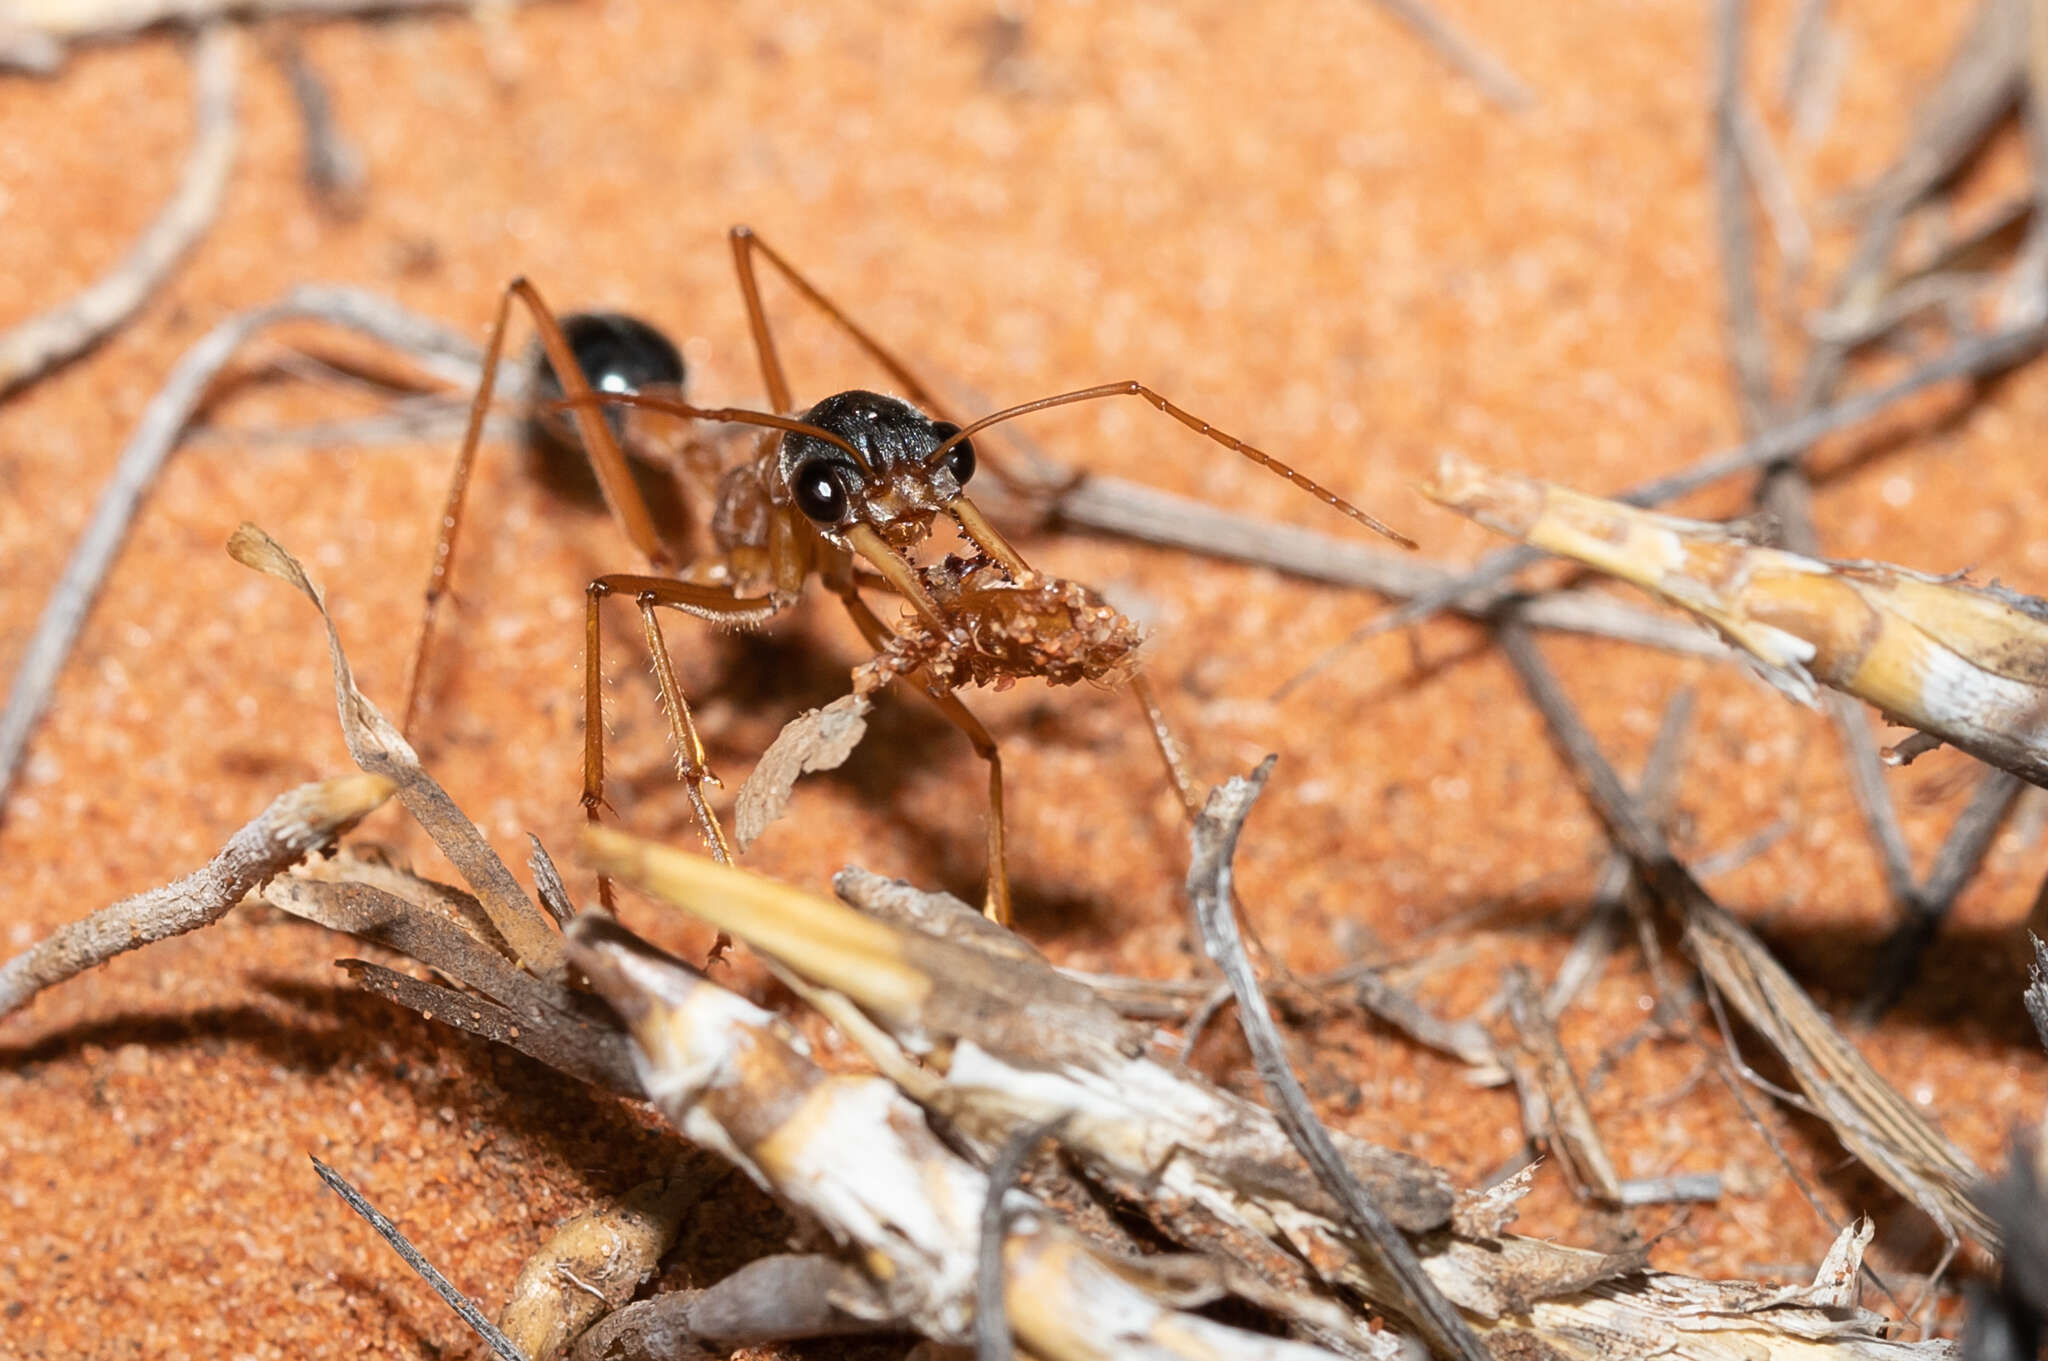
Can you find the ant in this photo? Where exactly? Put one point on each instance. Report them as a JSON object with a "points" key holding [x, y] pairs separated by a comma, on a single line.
{"points": [[841, 491]]}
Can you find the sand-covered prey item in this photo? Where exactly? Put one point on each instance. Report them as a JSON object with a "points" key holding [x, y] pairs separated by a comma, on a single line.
{"points": [[1003, 625], [1968, 664], [294, 826], [380, 748], [854, 1154], [817, 739]]}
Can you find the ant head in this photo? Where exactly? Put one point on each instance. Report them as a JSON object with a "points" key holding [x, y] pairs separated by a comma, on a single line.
{"points": [[893, 486]]}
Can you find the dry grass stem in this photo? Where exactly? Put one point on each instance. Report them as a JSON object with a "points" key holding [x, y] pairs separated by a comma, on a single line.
{"points": [[1554, 1110], [1010, 1042], [417, 1260], [378, 747], [1958, 661], [593, 1263], [34, 34], [1482, 68], [853, 1154], [293, 827], [1974, 357], [1415, 1295]]}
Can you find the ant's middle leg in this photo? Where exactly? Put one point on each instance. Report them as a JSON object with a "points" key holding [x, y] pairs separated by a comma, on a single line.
{"points": [[649, 592]]}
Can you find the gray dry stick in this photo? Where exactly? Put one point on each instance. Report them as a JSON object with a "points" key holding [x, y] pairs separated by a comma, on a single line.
{"points": [[992, 1340], [1209, 889], [417, 1260], [1477, 65], [156, 435], [34, 347], [34, 34], [294, 826]]}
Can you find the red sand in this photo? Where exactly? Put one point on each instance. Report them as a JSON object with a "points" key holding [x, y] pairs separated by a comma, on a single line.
{"points": [[1296, 222]]}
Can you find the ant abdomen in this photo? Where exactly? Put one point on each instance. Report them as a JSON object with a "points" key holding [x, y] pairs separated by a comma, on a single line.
{"points": [[618, 353]]}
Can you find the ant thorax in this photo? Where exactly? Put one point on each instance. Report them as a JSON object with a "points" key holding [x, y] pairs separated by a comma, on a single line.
{"points": [[1005, 628]]}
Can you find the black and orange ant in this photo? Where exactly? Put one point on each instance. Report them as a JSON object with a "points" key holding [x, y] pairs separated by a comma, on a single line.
{"points": [[841, 490]]}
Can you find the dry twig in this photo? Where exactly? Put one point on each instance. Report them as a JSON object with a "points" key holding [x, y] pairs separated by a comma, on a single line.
{"points": [[1554, 1110], [852, 1153], [293, 827], [417, 1260], [1209, 889], [34, 34], [1975, 358], [1961, 662], [1868, 1115], [1482, 68], [35, 346], [156, 435], [1010, 1042]]}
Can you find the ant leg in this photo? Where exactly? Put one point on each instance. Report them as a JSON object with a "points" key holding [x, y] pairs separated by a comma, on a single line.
{"points": [[706, 602], [996, 900], [614, 477], [1170, 754], [1167, 745], [744, 247]]}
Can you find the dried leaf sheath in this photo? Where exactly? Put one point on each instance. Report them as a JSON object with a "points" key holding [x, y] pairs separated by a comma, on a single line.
{"points": [[1968, 664], [379, 748], [854, 1154]]}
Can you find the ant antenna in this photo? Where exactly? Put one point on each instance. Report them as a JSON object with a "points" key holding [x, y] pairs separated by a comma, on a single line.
{"points": [[1131, 388], [729, 415]]}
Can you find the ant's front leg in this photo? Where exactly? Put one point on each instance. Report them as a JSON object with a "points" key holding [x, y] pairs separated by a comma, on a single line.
{"points": [[648, 592]]}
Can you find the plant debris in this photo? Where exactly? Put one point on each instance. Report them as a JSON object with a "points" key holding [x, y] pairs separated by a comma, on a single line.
{"points": [[1962, 663], [296, 825], [1020, 1043]]}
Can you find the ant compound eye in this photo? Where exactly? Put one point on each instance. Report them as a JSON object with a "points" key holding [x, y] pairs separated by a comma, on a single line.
{"points": [[959, 458], [820, 492]]}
